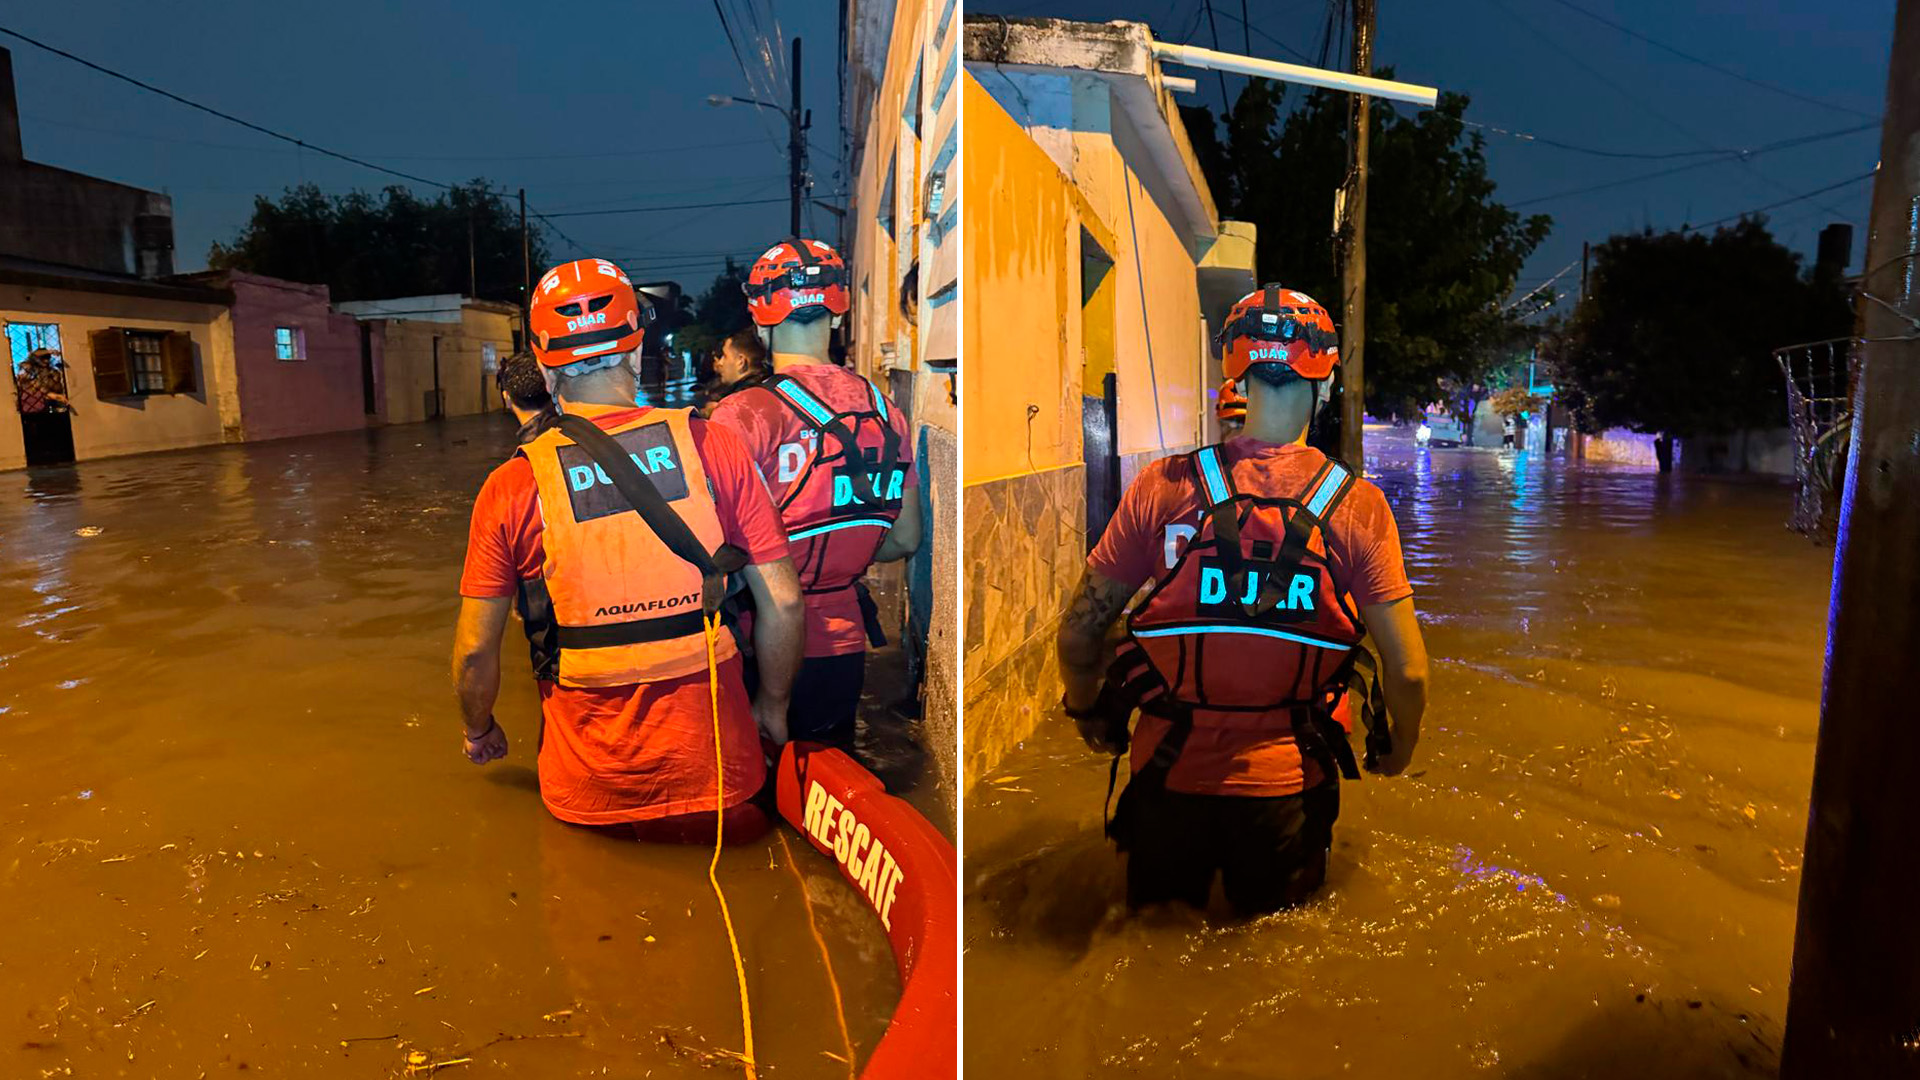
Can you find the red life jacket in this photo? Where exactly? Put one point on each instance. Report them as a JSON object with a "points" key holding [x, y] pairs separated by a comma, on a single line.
{"points": [[847, 492], [1249, 618]]}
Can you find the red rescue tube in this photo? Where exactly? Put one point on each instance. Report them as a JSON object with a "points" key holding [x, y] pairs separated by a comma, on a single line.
{"points": [[906, 872]]}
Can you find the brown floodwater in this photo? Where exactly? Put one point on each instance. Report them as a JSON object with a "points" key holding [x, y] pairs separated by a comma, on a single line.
{"points": [[1590, 871], [237, 833]]}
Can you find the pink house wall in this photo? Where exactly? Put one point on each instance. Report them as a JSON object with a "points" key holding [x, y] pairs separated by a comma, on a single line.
{"points": [[323, 392]]}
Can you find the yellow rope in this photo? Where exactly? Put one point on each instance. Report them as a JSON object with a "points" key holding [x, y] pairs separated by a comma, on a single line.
{"points": [[719, 831], [839, 1010]]}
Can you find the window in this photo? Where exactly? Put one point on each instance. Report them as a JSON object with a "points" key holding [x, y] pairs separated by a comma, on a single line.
{"points": [[289, 343], [135, 363], [146, 362], [23, 338]]}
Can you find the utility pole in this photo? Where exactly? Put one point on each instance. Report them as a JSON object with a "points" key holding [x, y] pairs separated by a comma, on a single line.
{"points": [[796, 147], [1585, 250], [1853, 1001], [473, 266], [526, 271], [1353, 283]]}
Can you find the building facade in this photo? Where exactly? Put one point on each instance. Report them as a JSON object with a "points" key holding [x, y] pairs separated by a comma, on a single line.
{"points": [[439, 353], [1099, 265], [902, 68]]}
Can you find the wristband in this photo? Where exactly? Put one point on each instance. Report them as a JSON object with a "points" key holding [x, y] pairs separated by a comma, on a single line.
{"points": [[488, 730]]}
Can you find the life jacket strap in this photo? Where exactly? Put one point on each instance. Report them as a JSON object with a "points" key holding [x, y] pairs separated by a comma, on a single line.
{"points": [[815, 412], [634, 632]]}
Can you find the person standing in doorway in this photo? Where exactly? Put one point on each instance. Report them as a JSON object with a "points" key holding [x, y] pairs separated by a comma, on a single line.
{"points": [[838, 457], [630, 691], [46, 414], [1268, 564]]}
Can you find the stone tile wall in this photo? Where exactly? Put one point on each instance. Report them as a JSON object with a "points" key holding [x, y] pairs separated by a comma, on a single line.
{"points": [[1025, 548]]}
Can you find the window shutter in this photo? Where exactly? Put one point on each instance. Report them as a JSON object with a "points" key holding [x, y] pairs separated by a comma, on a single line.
{"points": [[111, 379], [177, 363]]}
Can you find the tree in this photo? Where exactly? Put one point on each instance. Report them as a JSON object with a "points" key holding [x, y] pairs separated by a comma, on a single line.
{"points": [[1676, 335], [373, 247], [718, 312], [1442, 254]]}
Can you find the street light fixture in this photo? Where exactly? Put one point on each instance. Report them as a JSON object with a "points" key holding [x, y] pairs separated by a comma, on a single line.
{"points": [[798, 121]]}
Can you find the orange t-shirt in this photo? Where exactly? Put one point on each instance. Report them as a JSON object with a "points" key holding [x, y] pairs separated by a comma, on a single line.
{"points": [[769, 426], [632, 753], [1241, 753]]}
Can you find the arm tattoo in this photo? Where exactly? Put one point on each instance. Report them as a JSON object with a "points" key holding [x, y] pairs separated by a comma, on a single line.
{"points": [[1096, 605]]}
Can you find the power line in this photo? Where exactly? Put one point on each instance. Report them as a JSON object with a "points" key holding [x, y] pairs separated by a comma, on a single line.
{"points": [[683, 206], [1802, 197], [1708, 64], [1742, 156], [152, 89]]}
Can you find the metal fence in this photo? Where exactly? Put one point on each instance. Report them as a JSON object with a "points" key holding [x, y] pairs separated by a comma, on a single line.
{"points": [[1821, 377]]}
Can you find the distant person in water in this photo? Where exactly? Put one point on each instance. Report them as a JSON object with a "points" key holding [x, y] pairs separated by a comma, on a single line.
{"points": [[524, 390]]}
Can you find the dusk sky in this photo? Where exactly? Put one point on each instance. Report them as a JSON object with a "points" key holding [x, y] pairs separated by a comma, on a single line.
{"points": [[615, 97], [587, 106], [1524, 63]]}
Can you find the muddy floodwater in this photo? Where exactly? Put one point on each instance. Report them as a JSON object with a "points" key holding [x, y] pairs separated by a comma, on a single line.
{"points": [[1590, 871], [238, 836]]}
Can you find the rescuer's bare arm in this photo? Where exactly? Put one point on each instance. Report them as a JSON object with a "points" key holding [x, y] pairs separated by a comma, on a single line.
{"points": [[904, 538], [1083, 632], [476, 674], [1403, 675], [779, 640]]}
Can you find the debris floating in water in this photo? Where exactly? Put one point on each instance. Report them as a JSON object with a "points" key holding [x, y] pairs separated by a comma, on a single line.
{"points": [[88, 530]]}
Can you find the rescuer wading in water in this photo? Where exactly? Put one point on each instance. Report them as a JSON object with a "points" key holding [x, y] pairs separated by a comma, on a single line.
{"points": [[627, 737], [524, 390], [837, 455], [1268, 564]]}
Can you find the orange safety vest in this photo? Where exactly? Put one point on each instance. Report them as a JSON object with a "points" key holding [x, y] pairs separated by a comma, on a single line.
{"points": [[626, 608]]}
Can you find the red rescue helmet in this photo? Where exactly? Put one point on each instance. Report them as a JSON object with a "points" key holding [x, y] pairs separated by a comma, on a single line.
{"points": [[792, 276], [1232, 406], [584, 309], [1276, 325]]}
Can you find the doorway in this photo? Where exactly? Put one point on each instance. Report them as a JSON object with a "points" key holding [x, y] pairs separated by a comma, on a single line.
{"points": [[40, 392]]}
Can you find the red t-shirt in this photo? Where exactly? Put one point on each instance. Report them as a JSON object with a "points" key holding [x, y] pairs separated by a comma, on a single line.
{"points": [[631, 753], [769, 426], [1239, 753]]}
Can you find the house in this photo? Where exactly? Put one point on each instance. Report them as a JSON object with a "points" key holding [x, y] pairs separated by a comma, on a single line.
{"points": [[1098, 266], [903, 66], [439, 353], [295, 366], [84, 265]]}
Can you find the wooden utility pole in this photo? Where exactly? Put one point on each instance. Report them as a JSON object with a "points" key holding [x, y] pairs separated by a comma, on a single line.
{"points": [[1586, 249], [1353, 278], [796, 147], [526, 270], [1853, 1007], [473, 264]]}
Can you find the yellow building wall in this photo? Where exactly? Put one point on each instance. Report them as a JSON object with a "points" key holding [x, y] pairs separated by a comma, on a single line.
{"points": [[1025, 493], [409, 364], [121, 425]]}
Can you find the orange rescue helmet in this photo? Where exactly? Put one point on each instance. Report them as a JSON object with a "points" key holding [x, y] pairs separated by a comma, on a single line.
{"points": [[1275, 325], [1233, 404], [584, 309], [794, 275]]}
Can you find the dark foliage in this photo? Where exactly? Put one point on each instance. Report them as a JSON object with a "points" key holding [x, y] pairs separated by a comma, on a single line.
{"points": [[1676, 335], [1442, 254], [366, 246]]}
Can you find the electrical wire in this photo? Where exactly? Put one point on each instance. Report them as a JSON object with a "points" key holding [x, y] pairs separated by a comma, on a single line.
{"points": [[1710, 65], [1802, 197], [1784, 144], [682, 206], [209, 110]]}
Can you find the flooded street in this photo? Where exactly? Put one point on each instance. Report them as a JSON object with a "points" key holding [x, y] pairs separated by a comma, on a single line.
{"points": [[1590, 871], [239, 833]]}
